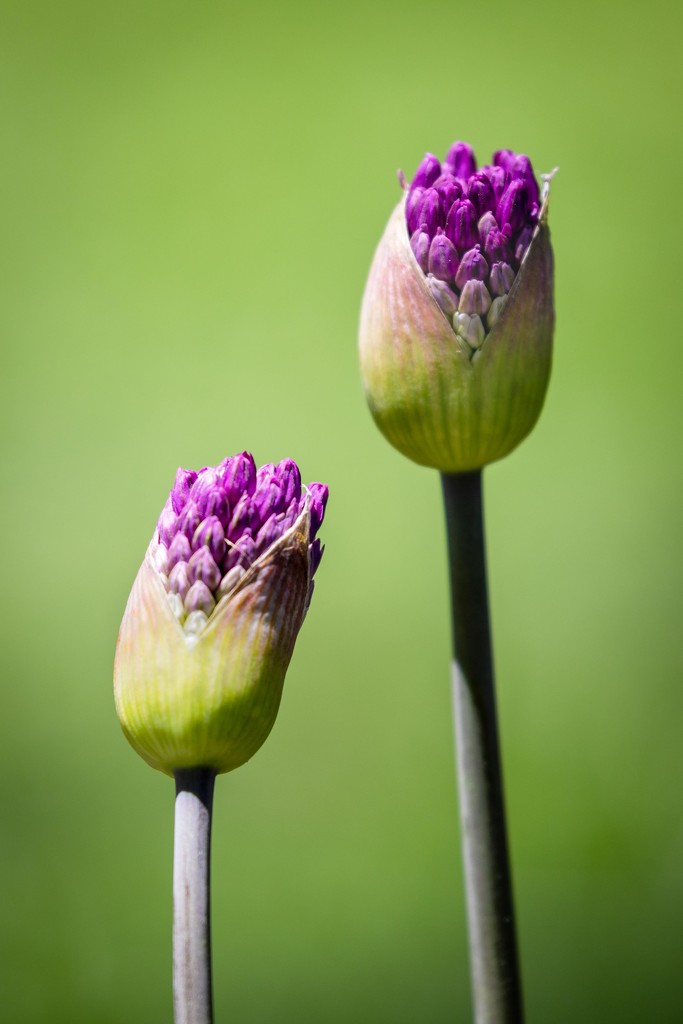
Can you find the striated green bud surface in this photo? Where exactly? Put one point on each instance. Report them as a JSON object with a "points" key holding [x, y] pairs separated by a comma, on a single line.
{"points": [[456, 392]]}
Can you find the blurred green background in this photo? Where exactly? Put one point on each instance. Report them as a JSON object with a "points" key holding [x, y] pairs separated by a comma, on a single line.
{"points": [[192, 195]]}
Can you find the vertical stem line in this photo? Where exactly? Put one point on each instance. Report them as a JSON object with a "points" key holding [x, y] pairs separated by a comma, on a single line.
{"points": [[192, 998], [496, 986]]}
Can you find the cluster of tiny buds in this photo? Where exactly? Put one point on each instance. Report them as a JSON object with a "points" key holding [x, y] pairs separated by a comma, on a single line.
{"points": [[217, 522], [469, 231]]}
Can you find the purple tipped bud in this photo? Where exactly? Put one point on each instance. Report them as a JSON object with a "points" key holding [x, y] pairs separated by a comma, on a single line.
{"points": [[475, 298], [179, 551], [443, 258], [504, 158], [181, 488], [178, 580], [264, 474], [502, 278], [513, 206], [413, 207], [480, 193], [269, 533], [460, 160], [267, 499], [315, 552], [203, 486], [473, 267], [290, 481], [241, 553], [203, 567], [291, 515], [230, 580], [432, 396], [167, 525], [461, 225], [521, 168], [244, 517], [487, 223], [188, 520], [217, 504], [318, 494], [196, 682], [431, 212], [497, 246], [446, 298], [523, 242], [428, 171], [210, 534], [199, 599], [419, 243], [499, 179], [238, 476], [449, 189]]}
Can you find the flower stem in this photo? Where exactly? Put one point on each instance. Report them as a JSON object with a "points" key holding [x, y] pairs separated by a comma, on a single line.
{"points": [[496, 986], [192, 1001]]}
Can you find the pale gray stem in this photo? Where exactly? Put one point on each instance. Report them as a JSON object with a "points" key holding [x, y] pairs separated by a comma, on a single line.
{"points": [[192, 1000], [496, 987]]}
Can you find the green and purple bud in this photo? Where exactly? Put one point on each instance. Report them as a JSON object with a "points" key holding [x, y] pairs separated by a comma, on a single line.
{"points": [[457, 319], [210, 625]]}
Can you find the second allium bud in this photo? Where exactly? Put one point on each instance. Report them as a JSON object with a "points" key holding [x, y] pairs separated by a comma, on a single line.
{"points": [[457, 318], [214, 613]]}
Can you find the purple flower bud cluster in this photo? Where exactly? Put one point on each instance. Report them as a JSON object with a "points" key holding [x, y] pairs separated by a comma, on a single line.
{"points": [[469, 229], [218, 521]]}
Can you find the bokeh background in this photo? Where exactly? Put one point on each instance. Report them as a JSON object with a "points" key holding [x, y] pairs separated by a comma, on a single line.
{"points": [[191, 197]]}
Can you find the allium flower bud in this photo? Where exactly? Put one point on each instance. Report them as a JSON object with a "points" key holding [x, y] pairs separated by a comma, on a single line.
{"points": [[210, 625], [456, 364]]}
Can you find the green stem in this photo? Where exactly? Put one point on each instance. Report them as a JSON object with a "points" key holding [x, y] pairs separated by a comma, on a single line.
{"points": [[192, 1000], [493, 949]]}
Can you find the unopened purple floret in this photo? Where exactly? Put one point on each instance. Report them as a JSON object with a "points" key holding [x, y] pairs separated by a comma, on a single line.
{"points": [[210, 534], [428, 171], [513, 207], [413, 207], [461, 225], [419, 243], [460, 160], [431, 211], [449, 189], [480, 193], [181, 489], [178, 580], [473, 267], [496, 246], [202, 566], [443, 258], [219, 520], [468, 225], [179, 550]]}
